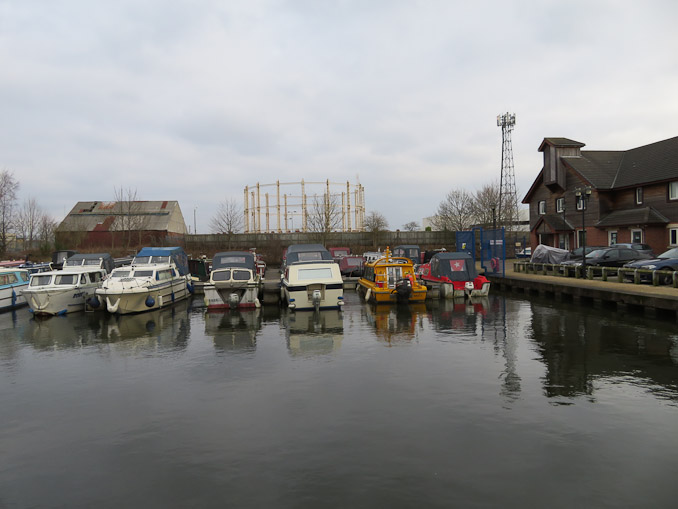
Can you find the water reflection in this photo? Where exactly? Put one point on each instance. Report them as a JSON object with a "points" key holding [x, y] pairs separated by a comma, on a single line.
{"points": [[396, 323], [233, 330], [313, 333], [464, 316], [167, 328], [581, 347]]}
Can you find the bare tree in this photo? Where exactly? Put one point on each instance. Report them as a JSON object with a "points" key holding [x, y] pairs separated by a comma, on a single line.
{"points": [[130, 216], [484, 200], [324, 216], [229, 219], [412, 226], [27, 222], [45, 231], [375, 222], [8, 189], [455, 212]]}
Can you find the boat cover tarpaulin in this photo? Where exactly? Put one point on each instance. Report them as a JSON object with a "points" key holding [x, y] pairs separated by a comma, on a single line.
{"points": [[92, 259], [243, 259], [456, 266], [177, 255], [548, 254]]}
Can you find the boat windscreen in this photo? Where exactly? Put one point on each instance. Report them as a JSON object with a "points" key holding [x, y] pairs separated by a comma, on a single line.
{"points": [[241, 275], [40, 280], [221, 275], [120, 273], [315, 273]]}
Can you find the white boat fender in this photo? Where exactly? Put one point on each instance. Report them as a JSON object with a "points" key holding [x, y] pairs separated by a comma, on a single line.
{"points": [[257, 304], [368, 294], [112, 308]]}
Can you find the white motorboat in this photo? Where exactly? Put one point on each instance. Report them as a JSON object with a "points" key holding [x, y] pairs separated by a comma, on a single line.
{"points": [[234, 281], [13, 281], [312, 284], [70, 289], [158, 277]]}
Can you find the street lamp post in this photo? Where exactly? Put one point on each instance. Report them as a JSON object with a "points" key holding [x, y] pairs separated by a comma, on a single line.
{"points": [[583, 194]]}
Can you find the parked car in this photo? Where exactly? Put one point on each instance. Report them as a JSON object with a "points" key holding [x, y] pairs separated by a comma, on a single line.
{"points": [[607, 257], [667, 261], [576, 254], [643, 248]]}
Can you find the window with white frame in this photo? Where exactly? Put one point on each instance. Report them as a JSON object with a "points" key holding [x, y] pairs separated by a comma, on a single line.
{"points": [[560, 205], [612, 237], [673, 236], [637, 236], [673, 190], [542, 207], [639, 195]]}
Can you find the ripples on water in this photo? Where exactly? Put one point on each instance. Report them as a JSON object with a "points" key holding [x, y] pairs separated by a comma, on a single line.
{"points": [[506, 401]]}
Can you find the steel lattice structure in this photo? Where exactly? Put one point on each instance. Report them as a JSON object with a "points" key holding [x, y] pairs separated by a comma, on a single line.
{"points": [[508, 194], [277, 213]]}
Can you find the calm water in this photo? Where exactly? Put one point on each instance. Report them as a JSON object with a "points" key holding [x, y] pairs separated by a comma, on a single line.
{"points": [[512, 403]]}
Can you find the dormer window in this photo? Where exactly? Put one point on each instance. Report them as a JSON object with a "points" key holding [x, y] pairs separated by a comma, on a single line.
{"points": [[639, 195]]}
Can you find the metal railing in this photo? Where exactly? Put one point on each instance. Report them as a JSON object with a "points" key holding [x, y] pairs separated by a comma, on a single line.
{"points": [[618, 274]]}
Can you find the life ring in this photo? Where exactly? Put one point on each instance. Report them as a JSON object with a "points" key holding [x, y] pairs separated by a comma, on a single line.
{"points": [[494, 263]]}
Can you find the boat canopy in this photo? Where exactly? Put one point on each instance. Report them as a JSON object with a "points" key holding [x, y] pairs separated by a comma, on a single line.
{"points": [[104, 260], [177, 255], [245, 259], [307, 253], [456, 266], [411, 251]]}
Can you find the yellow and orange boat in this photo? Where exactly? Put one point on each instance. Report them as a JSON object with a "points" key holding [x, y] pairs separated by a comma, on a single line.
{"points": [[390, 279]]}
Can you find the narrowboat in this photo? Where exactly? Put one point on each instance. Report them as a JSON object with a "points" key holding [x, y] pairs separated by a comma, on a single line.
{"points": [[13, 281], [70, 289], [390, 279], [311, 279], [234, 281], [455, 274], [158, 277]]}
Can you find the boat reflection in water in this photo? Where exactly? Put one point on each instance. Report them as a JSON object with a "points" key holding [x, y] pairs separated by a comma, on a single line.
{"points": [[65, 332], [315, 333], [234, 330], [394, 324], [161, 328], [459, 314]]}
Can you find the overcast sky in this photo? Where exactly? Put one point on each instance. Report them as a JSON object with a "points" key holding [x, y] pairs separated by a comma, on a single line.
{"points": [[194, 100]]}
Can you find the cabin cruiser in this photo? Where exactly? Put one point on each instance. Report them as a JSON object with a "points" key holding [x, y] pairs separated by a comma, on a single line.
{"points": [[311, 279], [234, 281], [390, 279], [70, 289], [13, 281], [158, 277], [455, 275]]}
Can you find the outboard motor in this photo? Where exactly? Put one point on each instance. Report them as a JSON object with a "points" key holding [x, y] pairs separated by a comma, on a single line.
{"points": [[317, 296], [403, 290], [233, 300]]}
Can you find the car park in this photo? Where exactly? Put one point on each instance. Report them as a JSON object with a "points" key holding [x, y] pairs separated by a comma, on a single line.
{"points": [[666, 262], [637, 246], [607, 257]]}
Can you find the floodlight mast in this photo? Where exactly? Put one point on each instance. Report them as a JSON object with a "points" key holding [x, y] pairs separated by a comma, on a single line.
{"points": [[508, 195]]}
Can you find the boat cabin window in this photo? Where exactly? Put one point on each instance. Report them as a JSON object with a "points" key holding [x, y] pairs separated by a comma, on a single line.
{"points": [[141, 260], [143, 273], [40, 280], [66, 279], [8, 279], [241, 275], [83, 279], [310, 256], [369, 273], [160, 259], [394, 274], [221, 275], [163, 275], [120, 273], [95, 277], [310, 274], [228, 260], [354, 262]]}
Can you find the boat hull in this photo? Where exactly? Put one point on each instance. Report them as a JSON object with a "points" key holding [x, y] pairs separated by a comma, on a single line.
{"points": [[231, 296], [376, 295], [304, 297], [12, 297], [52, 302], [142, 299]]}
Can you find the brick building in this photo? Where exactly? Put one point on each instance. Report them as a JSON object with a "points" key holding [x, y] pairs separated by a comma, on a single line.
{"points": [[123, 224], [633, 195]]}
